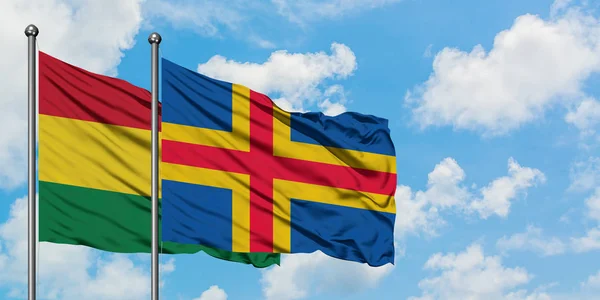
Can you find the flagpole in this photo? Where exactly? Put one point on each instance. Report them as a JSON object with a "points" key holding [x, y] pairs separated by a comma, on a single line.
{"points": [[31, 32], [154, 39]]}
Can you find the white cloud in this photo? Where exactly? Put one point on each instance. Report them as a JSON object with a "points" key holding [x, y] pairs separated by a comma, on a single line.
{"points": [[296, 77], [301, 275], [335, 99], [533, 240], [414, 214], [532, 66], [167, 267], [497, 195], [472, 275], [559, 6], [592, 283], [73, 31], [593, 205], [589, 242], [66, 271], [204, 16], [443, 188], [211, 18], [213, 293], [585, 175], [164, 268], [588, 290], [117, 278], [215, 18], [566, 217], [331, 109], [310, 10], [427, 52], [523, 295], [262, 43], [586, 117], [420, 211]]}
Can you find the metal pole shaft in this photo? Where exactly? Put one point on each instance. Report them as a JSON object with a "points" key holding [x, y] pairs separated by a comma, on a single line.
{"points": [[154, 39], [31, 32]]}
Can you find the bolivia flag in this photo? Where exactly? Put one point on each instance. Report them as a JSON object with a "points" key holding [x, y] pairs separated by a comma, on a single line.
{"points": [[94, 164]]}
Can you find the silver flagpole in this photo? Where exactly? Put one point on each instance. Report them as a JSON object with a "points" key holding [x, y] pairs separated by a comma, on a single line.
{"points": [[31, 32], [154, 40]]}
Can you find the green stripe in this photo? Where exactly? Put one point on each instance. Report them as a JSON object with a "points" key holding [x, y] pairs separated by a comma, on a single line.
{"points": [[114, 222]]}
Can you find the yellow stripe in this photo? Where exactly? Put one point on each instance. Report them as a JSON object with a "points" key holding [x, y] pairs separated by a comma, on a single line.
{"points": [[94, 155], [283, 146], [282, 218], [237, 139], [238, 183], [284, 190]]}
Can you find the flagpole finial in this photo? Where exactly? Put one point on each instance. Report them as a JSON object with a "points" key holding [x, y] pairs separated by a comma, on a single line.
{"points": [[32, 30], [154, 38]]}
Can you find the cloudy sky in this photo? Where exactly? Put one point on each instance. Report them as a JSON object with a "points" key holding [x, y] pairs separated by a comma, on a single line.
{"points": [[494, 111]]}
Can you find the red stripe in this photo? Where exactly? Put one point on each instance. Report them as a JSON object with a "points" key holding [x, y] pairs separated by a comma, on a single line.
{"points": [[72, 92], [261, 181], [206, 157], [281, 168], [334, 176]]}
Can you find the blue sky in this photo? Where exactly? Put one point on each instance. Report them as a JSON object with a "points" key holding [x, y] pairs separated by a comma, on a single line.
{"points": [[493, 109]]}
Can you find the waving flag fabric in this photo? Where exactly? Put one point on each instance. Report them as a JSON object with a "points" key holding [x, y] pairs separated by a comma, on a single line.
{"points": [[240, 174], [94, 164]]}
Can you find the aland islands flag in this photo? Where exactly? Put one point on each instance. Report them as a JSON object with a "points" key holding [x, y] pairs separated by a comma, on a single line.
{"points": [[240, 174]]}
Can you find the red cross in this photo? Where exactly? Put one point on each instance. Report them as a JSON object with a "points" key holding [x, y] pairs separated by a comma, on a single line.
{"points": [[262, 167]]}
